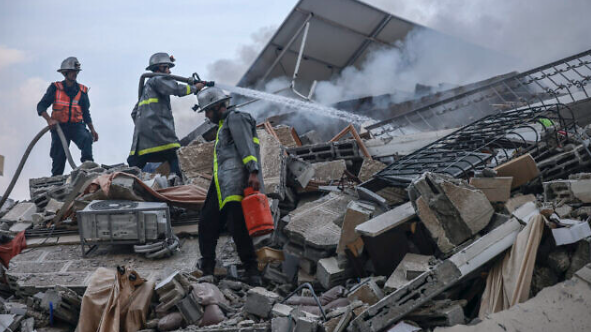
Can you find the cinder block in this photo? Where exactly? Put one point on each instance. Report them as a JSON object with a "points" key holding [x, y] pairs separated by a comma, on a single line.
{"points": [[22, 212], [306, 324], [260, 301], [329, 274], [568, 191], [190, 309]]}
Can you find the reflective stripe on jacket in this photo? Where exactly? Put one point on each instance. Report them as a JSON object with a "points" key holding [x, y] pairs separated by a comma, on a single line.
{"points": [[236, 154], [154, 124], [66, 109]]}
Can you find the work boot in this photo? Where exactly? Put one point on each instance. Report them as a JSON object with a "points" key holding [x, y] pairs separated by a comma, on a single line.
{"points": [[252, 275], [206, 266]]}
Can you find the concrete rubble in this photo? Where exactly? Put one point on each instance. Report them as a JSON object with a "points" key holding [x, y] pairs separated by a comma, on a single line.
{"points": [[354, 249], [366, 258]]}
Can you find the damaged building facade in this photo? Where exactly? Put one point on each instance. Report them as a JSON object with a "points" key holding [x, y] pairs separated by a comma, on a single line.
{"points": [[445, 213]]}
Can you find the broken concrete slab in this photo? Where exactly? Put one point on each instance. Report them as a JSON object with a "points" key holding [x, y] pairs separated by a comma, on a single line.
{"points": [[497, 189], [196, 159], [451, 210], [434, 226], [357, 213], [273, 164], [314, 224], [47, 266], [369, 167], [20, 226], [260, 301], [572, 234], [397, 305], [387, 221], [329, 171], [22, 212], [410, 262], [516, 201], [487, 247]]}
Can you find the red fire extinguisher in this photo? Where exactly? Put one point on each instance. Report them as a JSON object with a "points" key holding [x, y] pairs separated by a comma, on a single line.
{"points": [[257, 213]]}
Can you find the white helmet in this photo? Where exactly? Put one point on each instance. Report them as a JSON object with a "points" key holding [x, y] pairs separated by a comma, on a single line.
{"points": [[160, 58], [210, 97], [70, 63]]}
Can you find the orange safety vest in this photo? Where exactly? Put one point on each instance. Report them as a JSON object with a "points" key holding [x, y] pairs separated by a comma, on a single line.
{"points": [[66, 109]]}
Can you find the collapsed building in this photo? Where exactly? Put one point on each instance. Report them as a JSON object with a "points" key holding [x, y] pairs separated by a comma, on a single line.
{"points": [[467, 208]]}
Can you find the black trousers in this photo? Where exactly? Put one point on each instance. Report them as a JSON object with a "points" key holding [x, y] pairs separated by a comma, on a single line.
{"points": [[161, 156], [74, 132], [211, 224]]}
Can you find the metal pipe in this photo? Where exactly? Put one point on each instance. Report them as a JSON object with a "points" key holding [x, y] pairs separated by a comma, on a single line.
{"points": [[287, 46], [309, 286]]}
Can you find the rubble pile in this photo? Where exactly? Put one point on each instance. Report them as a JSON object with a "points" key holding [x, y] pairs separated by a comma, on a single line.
{"points": [[354, 248]]}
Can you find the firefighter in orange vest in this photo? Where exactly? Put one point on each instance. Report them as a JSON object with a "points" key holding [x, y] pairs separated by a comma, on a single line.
{"points": [[71, 111]]}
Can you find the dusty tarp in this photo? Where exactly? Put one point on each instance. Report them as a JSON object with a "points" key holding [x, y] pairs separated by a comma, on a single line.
{"points": [[509, 280], [188, 196], [12, 248], [113, 302]]}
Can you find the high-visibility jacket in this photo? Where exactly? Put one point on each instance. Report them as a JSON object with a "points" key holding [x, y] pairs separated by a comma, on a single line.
{"points": [[154, 124], [236, 154], [66, 109]]}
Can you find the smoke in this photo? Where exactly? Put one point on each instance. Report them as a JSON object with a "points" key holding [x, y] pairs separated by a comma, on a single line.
{"points": [[424, 57], [533, 32], [229, 71]]}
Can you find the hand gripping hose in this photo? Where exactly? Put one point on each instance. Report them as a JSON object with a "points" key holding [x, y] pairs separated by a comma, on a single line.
{"points": [[26, 156]]}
